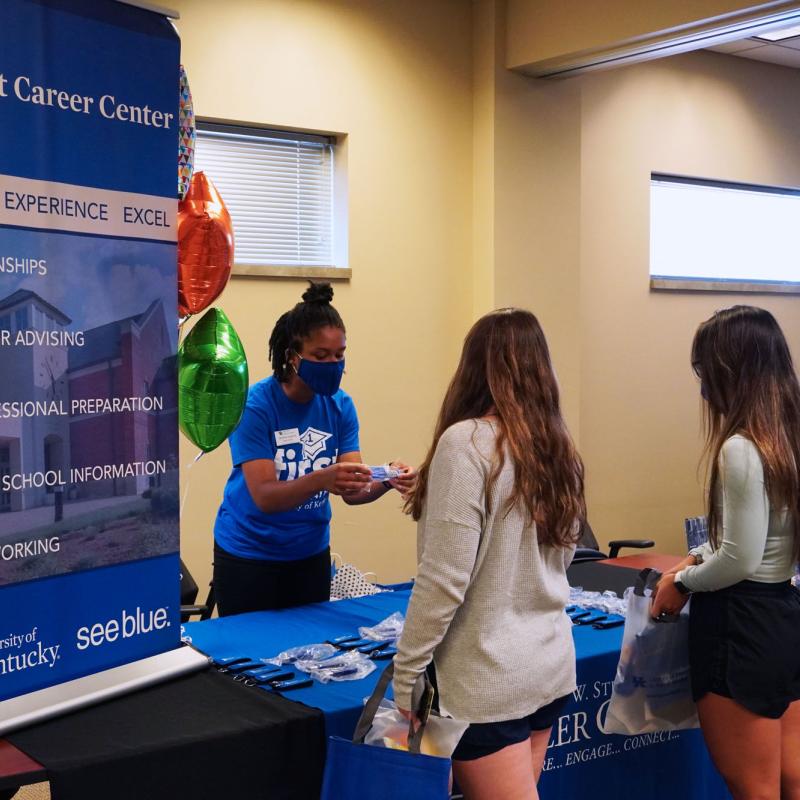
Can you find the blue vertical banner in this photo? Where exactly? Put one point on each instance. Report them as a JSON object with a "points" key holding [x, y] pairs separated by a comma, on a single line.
{"points": [[89, 509]]}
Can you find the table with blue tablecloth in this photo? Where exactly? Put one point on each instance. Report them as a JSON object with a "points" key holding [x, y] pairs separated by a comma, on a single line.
{"points": [[581, 760]]}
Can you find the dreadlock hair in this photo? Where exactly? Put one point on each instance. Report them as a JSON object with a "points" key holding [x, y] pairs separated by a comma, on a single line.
{"points": [[314, 312]]}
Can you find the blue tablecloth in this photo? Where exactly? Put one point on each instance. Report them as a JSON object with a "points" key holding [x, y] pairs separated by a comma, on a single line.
{"points": [[580, 761]]}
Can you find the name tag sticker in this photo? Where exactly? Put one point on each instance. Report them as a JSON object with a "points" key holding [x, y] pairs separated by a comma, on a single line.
{"points": [[288, 436]]}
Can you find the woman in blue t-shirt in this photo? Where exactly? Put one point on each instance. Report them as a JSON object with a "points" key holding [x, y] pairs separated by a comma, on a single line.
{"points": [[296, 444]]}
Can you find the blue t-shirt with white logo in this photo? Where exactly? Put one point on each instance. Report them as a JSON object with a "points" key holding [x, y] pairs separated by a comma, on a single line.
{"points": [[299, 438]]}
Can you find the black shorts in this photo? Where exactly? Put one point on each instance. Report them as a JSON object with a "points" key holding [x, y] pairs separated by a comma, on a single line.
{"points": [[249, 584], [484, 738], [744, 643]]}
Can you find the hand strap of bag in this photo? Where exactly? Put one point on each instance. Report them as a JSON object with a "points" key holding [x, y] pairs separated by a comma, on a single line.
{"points": [[647, 579], [371, 707]]}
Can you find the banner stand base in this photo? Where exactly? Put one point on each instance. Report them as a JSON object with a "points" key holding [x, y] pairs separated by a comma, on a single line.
{"points": [[62, 698]]}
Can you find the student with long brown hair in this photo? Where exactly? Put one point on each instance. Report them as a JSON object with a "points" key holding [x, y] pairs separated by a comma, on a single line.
{"points": [[744, 640], [498, 501]]}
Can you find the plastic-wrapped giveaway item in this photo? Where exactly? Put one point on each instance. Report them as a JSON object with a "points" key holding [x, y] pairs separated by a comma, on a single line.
{"points": [[304, 652], [389, 628], [349, 666], [385, 472], [607, 602], [390, 729]]}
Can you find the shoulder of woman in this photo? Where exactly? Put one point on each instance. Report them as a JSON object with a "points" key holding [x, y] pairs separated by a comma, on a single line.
{"points": [[739, 446], [739, 454], [341, 405], [460, 432], [262, 401], [260, 393], [343, 400], [470, 437]]}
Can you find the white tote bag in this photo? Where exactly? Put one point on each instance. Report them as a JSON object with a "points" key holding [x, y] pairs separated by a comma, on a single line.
{"points": [[652, 689]]}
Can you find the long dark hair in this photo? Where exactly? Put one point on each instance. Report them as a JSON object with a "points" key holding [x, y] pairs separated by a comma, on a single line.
{"points": [[314, 312], [750, 388], [505, 371]]}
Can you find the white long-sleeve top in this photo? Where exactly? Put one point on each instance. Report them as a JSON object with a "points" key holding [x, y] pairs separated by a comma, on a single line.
{"points": [[488, 603], [757, 541]]}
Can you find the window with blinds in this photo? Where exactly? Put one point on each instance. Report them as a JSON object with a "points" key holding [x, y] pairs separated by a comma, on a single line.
{"points": [[278, 187]]}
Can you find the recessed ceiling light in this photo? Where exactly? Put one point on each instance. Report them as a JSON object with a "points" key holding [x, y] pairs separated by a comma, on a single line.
{"points": [[776, 36]]}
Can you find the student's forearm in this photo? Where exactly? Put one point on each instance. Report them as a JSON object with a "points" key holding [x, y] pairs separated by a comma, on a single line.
{"points": [[689, 561], [275, 496], [442, 580], [728, 565], [373, 491]]}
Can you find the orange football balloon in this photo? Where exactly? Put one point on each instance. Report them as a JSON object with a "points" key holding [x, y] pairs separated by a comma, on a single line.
{"points": [[205, 246]]}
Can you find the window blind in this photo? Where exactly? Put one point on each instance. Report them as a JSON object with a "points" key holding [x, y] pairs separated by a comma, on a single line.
{"points": [[278, 187]]}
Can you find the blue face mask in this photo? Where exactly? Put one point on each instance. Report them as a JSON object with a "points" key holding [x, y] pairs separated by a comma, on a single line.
{"points": [[322, 377]]}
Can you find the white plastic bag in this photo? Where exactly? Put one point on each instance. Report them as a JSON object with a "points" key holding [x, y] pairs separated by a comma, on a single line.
{"points": [[652, 689], [390, 729]]}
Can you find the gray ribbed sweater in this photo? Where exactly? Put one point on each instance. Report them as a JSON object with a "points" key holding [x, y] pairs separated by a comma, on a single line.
{"points": [[488, 603]]}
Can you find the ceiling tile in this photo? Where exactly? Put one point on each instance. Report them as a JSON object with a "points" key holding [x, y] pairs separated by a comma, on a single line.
{"points": [[735, 47], [792, 44], [774, 55]]}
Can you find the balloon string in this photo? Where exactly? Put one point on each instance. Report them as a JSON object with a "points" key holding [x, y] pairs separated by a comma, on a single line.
{"points": [[181, 327], [188, 480]]}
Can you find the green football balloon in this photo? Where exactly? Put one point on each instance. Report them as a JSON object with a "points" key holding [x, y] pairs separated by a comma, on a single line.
{"points": [[212, 381]]}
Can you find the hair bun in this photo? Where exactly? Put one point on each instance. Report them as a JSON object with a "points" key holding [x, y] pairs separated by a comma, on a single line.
{"points": [[318, 293]]}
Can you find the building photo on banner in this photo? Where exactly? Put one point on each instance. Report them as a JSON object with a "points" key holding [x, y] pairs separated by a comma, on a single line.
{"points": [[398, 399], [88, 406]]}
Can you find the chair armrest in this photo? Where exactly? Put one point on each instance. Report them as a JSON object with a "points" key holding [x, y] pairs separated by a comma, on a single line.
{"points": [[640, 544], [587, 554], [187, 612]]}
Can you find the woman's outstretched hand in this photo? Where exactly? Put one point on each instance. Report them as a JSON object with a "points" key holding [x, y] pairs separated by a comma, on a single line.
{"points": [[345, 477], [406, 481]]}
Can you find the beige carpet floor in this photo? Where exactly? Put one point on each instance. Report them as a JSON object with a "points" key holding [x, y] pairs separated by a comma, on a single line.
{"points": [[37, 791]]}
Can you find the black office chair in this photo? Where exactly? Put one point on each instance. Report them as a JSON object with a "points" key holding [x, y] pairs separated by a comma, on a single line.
{"points": [[189, 591], [589, 550]]}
